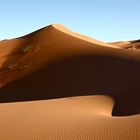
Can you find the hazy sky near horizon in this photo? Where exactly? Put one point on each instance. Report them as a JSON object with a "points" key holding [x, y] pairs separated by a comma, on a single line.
{"points": [[106, 20]]}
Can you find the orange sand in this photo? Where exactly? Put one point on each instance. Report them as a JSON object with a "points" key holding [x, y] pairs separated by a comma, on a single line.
{"points": [[55, 62]]}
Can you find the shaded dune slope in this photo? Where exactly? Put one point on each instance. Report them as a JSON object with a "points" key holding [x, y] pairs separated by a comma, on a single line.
{"points": [[55, 62]]}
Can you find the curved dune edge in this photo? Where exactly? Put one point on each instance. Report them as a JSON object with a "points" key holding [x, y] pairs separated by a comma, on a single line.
{"points": [[81, 118]]}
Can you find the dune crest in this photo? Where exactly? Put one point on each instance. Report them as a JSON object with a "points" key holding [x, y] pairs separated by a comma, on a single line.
{"points": [[80, 36]]}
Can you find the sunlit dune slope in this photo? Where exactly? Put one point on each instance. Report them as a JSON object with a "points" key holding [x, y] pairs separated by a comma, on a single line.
{"points": [[80, 118], [120, 44]]}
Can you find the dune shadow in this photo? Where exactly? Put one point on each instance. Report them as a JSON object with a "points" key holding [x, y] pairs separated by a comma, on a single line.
{"points": [[83, 75]]}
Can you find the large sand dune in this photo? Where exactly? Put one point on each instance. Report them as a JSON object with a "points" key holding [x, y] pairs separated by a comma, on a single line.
{"points": [[55, 62]]}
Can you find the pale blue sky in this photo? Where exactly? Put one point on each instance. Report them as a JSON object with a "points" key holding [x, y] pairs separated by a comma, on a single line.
{"points": [[106, 20]]}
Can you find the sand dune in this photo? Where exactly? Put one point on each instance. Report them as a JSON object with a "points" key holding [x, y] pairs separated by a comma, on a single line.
{"points": [[120, 44], [132, 45], [42, 42], [55, 62], [80, 118]]}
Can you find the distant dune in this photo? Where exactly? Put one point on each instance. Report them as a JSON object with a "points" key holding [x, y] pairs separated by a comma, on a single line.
{"points": [[92, 79], [133, 44]]}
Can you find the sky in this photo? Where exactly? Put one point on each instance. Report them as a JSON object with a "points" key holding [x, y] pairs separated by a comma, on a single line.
{"points": [[106, 20]]}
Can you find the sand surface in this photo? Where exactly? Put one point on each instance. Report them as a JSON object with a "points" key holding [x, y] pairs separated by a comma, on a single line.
{"points": [[55, 62], [80, 118]]}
